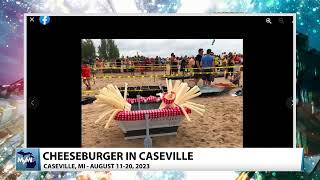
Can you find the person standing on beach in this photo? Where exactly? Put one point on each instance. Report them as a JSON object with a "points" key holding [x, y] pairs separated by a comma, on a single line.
{"points": [[131, 66], [183, 64], [196, 67], [230, 63], [157, 60], [174, 64], [207, 64], [85, 73], [118, 65], [191, 63]]}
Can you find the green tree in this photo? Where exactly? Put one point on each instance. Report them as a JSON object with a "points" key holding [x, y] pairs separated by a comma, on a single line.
{"points": [[102, 49], [112, 49], [88, 50]]}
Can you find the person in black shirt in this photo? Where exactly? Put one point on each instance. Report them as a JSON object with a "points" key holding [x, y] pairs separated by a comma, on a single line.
{"points": [[118, 62], [183, 64], [197, 67]]}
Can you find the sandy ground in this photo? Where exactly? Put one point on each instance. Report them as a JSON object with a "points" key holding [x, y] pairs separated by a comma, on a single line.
{"points": [[221, 126]]}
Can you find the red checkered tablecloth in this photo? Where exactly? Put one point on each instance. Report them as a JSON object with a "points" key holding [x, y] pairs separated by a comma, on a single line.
{"points": [[153, 114], [149, 99]]}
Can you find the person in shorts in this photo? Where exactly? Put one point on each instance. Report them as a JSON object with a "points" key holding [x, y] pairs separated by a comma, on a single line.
{"points": [[207, 64], [174, 64], [196, 66], [230, 64], [85, 73]]}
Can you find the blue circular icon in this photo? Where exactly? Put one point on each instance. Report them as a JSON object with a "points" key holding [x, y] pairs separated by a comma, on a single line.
{"points": [[44, 20]]}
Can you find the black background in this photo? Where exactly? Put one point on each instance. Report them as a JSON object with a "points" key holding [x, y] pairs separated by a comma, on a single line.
{"points": [[54, 70]]}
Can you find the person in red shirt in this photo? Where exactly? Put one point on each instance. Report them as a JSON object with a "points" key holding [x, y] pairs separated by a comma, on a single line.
{"points": [[85, 73], [237, 59]]}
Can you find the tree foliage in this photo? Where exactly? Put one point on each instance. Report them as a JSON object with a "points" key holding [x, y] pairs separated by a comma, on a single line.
{"points": [[112, 49], [88, 50], [102, 49], [107, 50]]}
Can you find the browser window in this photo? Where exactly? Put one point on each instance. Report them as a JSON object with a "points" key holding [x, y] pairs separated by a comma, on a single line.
{"points": [[112, 81]]}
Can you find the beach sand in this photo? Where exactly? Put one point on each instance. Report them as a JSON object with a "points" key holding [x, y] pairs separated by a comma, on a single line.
{"points": [[221, 126]]}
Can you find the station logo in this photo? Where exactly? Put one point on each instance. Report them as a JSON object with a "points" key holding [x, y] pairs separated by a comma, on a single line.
{"points": [[27, 159]]}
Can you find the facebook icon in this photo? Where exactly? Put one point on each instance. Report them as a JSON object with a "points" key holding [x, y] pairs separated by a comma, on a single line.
{"points": [[44, 20]]}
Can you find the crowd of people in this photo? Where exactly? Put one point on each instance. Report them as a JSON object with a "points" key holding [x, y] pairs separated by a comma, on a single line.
{"points": [[203, 66]]}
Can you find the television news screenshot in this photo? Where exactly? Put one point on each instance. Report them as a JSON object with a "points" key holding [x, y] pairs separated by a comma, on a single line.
{"points": [[129, 96]]}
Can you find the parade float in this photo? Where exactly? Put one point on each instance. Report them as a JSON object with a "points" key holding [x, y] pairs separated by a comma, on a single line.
{"points": [[165, 113]]}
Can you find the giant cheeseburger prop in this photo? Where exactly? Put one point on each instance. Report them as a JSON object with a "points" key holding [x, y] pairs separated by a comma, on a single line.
{"points": [[165, 112]]}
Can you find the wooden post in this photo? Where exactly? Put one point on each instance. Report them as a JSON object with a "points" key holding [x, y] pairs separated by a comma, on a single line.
{"points": [[154, 75], [168, 69]]}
